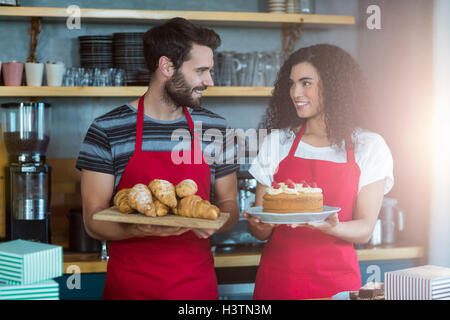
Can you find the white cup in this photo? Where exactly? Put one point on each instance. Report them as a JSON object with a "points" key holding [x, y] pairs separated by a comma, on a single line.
{"points": [[34, 72], [55, 73]]}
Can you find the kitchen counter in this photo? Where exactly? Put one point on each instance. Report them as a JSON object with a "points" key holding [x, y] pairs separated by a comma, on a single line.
{"points": [[90, 263]]}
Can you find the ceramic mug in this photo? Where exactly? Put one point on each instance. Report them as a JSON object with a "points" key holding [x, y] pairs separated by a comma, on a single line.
{"points": [[33, 73], [55, 73], [12, 73]]}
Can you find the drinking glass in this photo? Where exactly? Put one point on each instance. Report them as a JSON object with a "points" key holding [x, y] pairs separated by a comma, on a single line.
{"points": [[99, 80], [259, 79], [119, 78]]}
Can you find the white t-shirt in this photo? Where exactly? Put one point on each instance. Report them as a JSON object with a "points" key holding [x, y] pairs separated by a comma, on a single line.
{"points": [[372, 155]]}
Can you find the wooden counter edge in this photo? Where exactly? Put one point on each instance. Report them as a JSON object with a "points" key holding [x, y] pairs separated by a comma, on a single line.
{"points": [[89, 263], [390, 253]]}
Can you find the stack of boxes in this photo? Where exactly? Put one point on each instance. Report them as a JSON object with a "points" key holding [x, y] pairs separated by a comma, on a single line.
{"points": [[27, 270], [419, 283]]}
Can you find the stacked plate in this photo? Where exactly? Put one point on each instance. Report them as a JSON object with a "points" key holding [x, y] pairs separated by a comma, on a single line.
{"points": [[128, 52], [291, 6], [96, 51], [277, 6]]}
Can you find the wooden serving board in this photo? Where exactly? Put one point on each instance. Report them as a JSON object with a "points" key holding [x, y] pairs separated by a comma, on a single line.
{"points": [[113, 214]]}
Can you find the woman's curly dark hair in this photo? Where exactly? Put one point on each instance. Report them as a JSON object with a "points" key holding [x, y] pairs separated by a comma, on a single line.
{"points": [[343, 87]]}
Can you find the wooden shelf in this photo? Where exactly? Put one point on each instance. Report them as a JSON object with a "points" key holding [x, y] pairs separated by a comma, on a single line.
{"points": [[218, 18], [24, 91]]}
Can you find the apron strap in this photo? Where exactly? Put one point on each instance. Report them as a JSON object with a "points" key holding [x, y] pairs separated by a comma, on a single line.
{"points": [[196, 154], [189, 119], [349, 145], [139, 124], [297, 140]]}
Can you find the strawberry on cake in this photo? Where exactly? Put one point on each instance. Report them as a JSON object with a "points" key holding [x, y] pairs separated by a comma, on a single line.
{"points": [[290, 197]]}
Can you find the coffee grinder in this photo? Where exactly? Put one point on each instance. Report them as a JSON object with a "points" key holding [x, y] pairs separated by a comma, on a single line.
{"points": [[25, 127]]}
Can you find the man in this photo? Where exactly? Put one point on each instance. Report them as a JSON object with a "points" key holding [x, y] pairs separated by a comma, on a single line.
{"points": [[133, 144]]}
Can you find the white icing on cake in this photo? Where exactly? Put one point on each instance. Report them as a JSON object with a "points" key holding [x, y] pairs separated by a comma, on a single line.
{"points": [[298, 188]]}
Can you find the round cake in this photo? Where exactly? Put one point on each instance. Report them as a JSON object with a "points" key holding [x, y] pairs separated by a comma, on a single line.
{"points": [[290, 197]]}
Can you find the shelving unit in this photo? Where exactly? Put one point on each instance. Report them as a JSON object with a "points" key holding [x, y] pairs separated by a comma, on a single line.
{"points": [[24, 91], [211, 18], [216, 18]]}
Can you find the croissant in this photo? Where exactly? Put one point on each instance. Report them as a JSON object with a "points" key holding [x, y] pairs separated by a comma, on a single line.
{"points": [[186, 188], [121, 201], [161, 208], [140, 198], [164, 191], [193, 206]]}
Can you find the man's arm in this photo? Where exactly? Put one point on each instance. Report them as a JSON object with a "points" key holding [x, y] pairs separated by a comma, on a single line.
{"points": [[96, 192], [225, 190]]}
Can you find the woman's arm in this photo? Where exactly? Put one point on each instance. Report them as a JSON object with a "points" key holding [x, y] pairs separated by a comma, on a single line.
{"points": [[260, 230], [358, 230]]}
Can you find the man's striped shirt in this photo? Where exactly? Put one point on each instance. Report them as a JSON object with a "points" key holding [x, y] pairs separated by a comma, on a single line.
{"points": [[110, 141]]}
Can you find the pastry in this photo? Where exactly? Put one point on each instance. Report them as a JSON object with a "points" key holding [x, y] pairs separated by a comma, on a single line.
{"points": [[164, 191], [194, 207], [370, 291], [140, 199], [121, 201], [290, 197], [161, 208], [186, 188]]}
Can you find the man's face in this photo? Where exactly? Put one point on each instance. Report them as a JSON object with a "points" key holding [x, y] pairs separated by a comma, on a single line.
{"points": [[186, 85]]}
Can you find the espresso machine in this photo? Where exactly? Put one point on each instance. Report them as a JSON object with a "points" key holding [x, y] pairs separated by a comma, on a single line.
{"points": [[25, 127]]}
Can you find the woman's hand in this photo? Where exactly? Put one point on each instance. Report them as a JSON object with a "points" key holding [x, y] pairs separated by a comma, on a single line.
{"points": [[259, 230], [324, 226]]}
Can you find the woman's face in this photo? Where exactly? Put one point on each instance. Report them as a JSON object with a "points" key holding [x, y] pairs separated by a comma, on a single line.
{"points": [[305, 90]]}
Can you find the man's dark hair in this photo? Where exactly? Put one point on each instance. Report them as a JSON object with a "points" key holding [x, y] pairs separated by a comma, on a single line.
{"points": [[174, 39]]}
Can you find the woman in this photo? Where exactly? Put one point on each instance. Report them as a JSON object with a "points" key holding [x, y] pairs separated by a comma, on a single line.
{"points": [[318, 101]]}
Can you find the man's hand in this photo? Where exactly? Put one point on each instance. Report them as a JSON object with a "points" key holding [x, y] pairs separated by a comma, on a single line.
{"points": [[145, 230], [225, 189], [203, 233]]}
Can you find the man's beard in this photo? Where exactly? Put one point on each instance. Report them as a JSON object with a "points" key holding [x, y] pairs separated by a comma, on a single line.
{"points": [[178, 92]]}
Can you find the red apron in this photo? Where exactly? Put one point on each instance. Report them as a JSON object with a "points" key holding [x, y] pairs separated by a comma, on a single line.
{"points": [[173, 267], [303, 263]]}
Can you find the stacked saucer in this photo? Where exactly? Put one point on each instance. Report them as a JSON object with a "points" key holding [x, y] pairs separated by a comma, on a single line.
{"points": [[128, 52], [277, 6], [96, 51]]}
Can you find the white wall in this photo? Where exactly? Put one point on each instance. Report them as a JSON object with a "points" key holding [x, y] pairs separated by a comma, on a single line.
{"points": [[439, 242]]}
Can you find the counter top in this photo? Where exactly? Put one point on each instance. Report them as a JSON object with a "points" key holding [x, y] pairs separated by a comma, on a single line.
{"points": [[90, 262]]}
